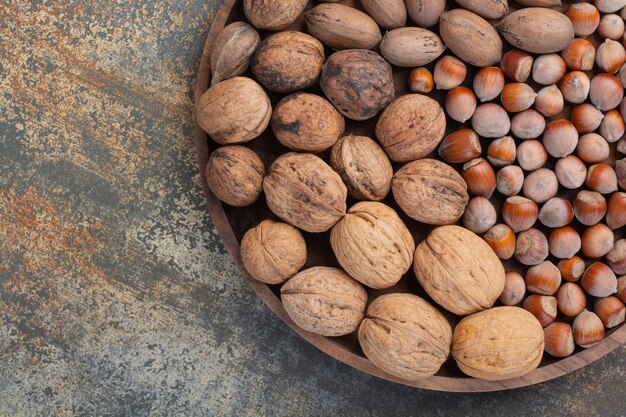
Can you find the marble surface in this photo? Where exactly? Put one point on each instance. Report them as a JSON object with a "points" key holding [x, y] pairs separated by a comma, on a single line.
{"points": [[116, 294]]}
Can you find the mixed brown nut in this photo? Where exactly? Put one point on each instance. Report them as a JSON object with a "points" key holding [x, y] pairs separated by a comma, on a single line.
{"points": [[532, 172]]}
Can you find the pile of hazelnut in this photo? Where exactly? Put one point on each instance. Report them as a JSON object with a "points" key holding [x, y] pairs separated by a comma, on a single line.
{"points": [[521, 150]]}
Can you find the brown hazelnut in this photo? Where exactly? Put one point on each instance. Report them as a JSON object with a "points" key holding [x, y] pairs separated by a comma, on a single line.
{"points": [[560, 138], [616, 258], [373, 245], [571, 269], [480, 215], [531, 155], [509, 180], [541, 185], [611, 27], [517, 97], [606, 91], [519, 213], [460, 103], [235, 175], [304, 191], [528, 124], [514, 289], [411, 127], [612, 127], [531, 247], [559, 338], [479, 177], [571, 172], [491, 121], [449, 72], [601, 178], [501, 239], [543, 307], [235, 110], [564, 242], [571, 299], [488, 83], [288, 61], [589, 207], [421, 81], [620, 170], [363, 167], [375, 87], [307, 123], [621, 288], [460, 146], [548, 69], [611, 56], [517, 65], [586, 118], [430, 191], [588, 329], [599, 280], [597, 241], [616, 211], [543, 278], [502, 152], [592, 148], [272, 252], [585, 18], [407, 320], [575, 87], [556, 212], [611, 311], [324, 300], [579, 55]]}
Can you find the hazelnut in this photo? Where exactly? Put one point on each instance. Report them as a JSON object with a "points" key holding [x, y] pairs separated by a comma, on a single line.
{"points": [[373, 245], [363, 167], [531, 247], [571, 299], [564, 242], [460, 104], [519, 213], [560, 138], [611, 56], [586, 118], [616, 258], [592, 148], [460, 146], [543, 278], [528, 124], [548, 69], [559, 338], [575, 86], [599, 280], [620, 170], [531, 155], [571, 172], [517, 97], [621, 288], [514, 289], [517, 65], [589, 207], [611, 27], [421, 81], [272, 252], [541, 185], [610, 6], [488, 83], [606, 91], [597, 241], [449, 72], [235, 175], [571, 269], [610, 310], [479, 177], [612, 127], [585, 18], [324, 300], [501, 239], [480, 215], [543, 307], [491, 121], [579, 55], [509, 180], [588, 329], [549, 101], [556, 212], [406, 320], [601, 178], [616, 212], [502, 152]]}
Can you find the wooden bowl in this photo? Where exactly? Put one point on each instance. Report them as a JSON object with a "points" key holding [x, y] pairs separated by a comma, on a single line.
{"points": [[231, 223]]}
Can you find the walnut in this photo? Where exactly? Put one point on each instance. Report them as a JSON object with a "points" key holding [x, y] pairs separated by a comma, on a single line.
{"points": [[304, 191], [273, 14], [458, 270], [288, 62], [411, 127], [497, 344], [235, 175], [273, 252], [234, 111], [233, 50], [405, 336], [306, 122], [363, 166], [373, 245], [358, 82], [325, 301], [430, 191]]}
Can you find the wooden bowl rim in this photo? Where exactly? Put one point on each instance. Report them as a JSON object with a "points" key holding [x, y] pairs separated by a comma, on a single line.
{"points": [[329, 346]]}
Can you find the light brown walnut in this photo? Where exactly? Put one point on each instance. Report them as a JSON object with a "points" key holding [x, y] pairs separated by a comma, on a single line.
{"points": [[363, 166], [304, 191], [373, 245], [325, 301], [273, 252], [497, 344], [459, 270], [273, 14], [405, 336], [430, 191]]}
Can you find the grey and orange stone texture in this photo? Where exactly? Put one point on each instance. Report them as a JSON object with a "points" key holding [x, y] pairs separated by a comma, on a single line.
{"points": [[116, 295]]}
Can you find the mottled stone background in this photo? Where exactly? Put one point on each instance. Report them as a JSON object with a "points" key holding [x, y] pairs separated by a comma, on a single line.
{"points": [[116, 296]]}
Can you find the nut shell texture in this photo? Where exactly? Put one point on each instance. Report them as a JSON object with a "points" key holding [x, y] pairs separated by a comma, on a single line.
{"points": [[273, 14], [537, 30], [304, 191], [405, 336], [363, 166], [459, 270], [358, 82], [411, 47], [288, 61], [325, 301], [233, 111], [497, 344], [411, 127], [233, 50], [307, 123], [430, 191], [373, 245], [272, 252]]}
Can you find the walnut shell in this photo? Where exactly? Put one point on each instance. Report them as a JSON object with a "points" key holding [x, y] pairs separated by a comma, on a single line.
{"points": [[411, 47], [526, 29], [304, 191], [273, 14], [430, 191], [325, 301], [232, 51], [363, 166], [235, 110], [411, 127], [272, 252], [373, 245], [470, 37], [498, 344], [235, 175], [459, 270], [288, 62], [405, 336], [358, 82], [307, 122], [342, 27], [390, 14]]}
